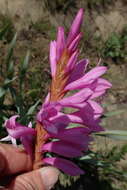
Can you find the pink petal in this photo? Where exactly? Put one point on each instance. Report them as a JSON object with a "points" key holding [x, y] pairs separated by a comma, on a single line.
{"points": [[75, 27], [9, 138], [72, 61], [60, 42], [64, 165], [63, 148], [21, 131], [46, 101], [73, 46], [87, 79], [102, 84], [98, 110], [28, 144], [50, 127], [79, 97], [46, 112], [85, 117], [78, 71], [97, 94], [77, 136], [53, 57], [11, 123]]}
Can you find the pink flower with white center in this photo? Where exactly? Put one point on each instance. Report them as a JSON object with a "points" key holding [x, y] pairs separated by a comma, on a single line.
{"points": [[53, 132]]}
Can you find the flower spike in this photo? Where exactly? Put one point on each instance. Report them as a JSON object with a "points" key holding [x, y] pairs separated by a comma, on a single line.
{"points": [[52, 132]]}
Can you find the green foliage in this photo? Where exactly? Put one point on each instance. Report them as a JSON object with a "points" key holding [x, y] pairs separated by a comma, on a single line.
{"points": [[7, 28], [12, 94], [115, 46], [59, 5], [98, 3], [114, 134], [46, 28]]}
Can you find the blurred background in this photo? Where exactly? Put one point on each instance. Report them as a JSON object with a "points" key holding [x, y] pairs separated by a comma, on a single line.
{"points": [[25, 77]]}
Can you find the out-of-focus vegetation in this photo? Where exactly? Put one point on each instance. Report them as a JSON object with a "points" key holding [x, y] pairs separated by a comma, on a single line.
{"points": [[116, 46], [12, 87]]}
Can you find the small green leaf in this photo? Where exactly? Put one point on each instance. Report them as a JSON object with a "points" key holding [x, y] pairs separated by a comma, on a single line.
{"points": [[32, 108], [114, 134], [23, 69], [2, 92], [112, 113], [10, 51], [24, 64], [9, 81]]}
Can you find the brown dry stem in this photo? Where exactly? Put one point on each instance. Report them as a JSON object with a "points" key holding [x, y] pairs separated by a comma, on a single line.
{"points": [[40, 140]]}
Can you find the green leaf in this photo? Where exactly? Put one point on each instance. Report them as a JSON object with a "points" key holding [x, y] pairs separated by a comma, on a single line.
{"points": [[10, 51], [32, 108], [9, 81], [10, 71], [2, 92], [112, 113], [114, 134], [3, 32], [25, 62], [23, 69]]}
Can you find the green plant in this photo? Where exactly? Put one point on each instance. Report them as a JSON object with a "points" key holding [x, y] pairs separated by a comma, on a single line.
{"points": [[12, 93], [59, 5], [96, 3], [46, 28], [6, 24], [115, 46]]}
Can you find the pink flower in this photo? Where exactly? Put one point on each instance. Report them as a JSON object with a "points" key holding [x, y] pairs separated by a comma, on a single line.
{"points": [[16, 130], [71, 142], [67, 74]]}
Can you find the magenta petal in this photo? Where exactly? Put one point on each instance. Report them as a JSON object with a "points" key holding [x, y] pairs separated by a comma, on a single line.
{"points": [[21, 131], [28, 144], [79, 97], [77, 136], [52, 57], [98, 110], [46, 101], [97, 94], [78, 71], [87, 79], [60, 43], [73, 46], [63, 148], [72, 61], [64, 165], [75, 27], [11, 123], [50, 127], [102, 84], [46, 112]]}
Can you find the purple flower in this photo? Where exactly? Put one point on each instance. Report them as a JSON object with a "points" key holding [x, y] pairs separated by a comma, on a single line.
{"points": [[70, 74], [16, 131], [67, 74]]}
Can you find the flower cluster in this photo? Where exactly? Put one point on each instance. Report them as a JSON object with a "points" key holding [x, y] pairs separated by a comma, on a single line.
{"points": [[68, 74]]}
